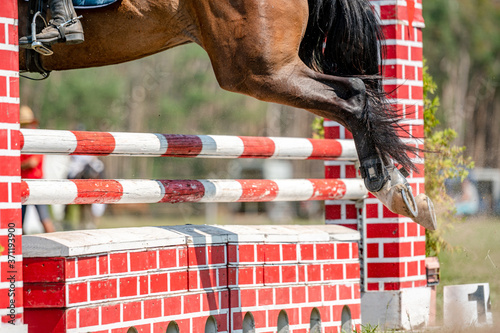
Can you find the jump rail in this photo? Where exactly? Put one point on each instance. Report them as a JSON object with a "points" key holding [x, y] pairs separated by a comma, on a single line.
{"points": [[37, 141], [89, 191]]}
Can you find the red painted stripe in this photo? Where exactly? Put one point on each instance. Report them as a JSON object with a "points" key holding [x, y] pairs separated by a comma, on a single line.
{"points": [[331, 189], [8, 9], [25, 191], [44, 295], [94, 143], [258, 190], [257, 147], [97, 191], [21, 140], [182, 191], [9, 59], [183, 145], [43, 270], [324, 149]]}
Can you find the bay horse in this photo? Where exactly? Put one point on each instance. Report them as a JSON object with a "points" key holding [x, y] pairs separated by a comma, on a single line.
{"points": [[318, 55]]}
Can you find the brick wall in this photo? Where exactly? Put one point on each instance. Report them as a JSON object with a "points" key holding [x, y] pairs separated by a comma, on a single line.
{"points": [[394, 246], [147, 278], [11, 280]]}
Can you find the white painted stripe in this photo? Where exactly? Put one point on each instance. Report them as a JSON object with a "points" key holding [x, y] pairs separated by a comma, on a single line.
{"points": [[355, 189], [338, 222], [137, 144], [394, 2], [402, 22], [5, 232], [405, 62], [144, 191], [403, 42], [61, 141], [394, 260], [9, 100], [8, 20], [9, 126], [10, 205], [9, 47], [221, 190], [331, 123], [392, 240], [61, 192], [349, 149], [294, 190], [401, 82], [10, 152], [294, 148], [335, 163], [5, 312], [4, 72], [6, 285], [217, 145], [412, 102], [10, 179], [17, 258], [407, 121]]}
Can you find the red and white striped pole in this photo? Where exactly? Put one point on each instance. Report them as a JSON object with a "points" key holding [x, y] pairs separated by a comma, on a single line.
{"points": [[11, 278], [37, 141], [88, 191]]}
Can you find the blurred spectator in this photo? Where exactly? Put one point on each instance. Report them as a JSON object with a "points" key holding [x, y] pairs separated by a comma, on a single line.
{"points": [[468, 202], [87, 167], [32, 168]]}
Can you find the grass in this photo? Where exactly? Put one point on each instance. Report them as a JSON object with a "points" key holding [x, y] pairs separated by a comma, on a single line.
{"points": [[475, 259]]}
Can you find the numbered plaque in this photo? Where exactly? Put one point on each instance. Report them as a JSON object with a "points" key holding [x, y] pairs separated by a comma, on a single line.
{"points": [[467, 304]]}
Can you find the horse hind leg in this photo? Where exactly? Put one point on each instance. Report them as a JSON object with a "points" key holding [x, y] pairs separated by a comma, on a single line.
{"points": [[265, 65], [383, 179]]}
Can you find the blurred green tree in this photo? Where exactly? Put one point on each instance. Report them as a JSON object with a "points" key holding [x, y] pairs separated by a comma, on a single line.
{"points": [[462, 46]]}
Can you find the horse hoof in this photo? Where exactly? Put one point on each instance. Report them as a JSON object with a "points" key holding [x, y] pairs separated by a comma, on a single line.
{"points": [[410, 205], [403, 201], [426, 216], [398, 199]]}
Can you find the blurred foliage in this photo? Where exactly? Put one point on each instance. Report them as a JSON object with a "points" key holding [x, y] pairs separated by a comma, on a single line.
{"points": [[318, 128], [461, 43], [176, 91], [443, 161], [452, 25]]}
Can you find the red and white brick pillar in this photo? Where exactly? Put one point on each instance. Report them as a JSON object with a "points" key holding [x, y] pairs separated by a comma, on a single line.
{"points": [[11, 277], [394, 286]]}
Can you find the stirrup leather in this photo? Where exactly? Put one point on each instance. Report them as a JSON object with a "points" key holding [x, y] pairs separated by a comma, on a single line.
{"points": [[61, 27]]}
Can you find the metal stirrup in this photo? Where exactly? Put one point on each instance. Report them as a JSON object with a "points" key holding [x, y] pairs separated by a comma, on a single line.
{"points": [[36, 45]]}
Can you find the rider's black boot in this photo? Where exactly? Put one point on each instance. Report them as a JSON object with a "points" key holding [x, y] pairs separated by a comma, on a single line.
{"points": [[63, 27]]}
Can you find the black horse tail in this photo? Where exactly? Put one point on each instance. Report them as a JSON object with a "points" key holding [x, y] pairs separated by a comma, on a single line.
{"points": [[343, 38]]}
